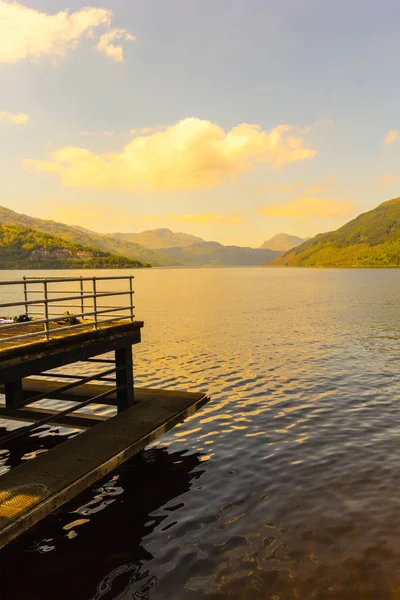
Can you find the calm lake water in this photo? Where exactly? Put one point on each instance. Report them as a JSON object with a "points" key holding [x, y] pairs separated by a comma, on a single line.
{"points": [[285, 486]]}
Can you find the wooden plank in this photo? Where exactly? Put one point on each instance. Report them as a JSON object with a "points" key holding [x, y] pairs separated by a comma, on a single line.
{"points": [[35, 386], [36, 414], [35, 489]]}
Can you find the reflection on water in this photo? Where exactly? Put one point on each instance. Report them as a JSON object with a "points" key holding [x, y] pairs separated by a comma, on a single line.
{"points": [[299, 454]]}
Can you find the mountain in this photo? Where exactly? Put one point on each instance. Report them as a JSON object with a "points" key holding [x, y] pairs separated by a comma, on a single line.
{"points": [[85, 237], [22, 248], [190, 250], [215, 254], [370, 240], [283, 242], [158, 239]]}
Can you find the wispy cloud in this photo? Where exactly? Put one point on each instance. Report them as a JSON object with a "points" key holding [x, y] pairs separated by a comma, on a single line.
{"points": [[192, 154], [391, 137], [26, 33], [92, 215], [14, 118], [208, 219], [314, 189], [288, 187], [305, 208], [284, 187]]}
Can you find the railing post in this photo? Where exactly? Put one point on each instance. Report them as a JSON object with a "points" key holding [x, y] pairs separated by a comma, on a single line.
{"points": [[46, 310], [82, 299], [131, 297], [26, 297], [95, 302], [124, 377]]}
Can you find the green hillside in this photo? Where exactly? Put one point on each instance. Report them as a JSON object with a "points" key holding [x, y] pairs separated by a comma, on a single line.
{"points": [[22, 248], [84, 237], [370, 240]]}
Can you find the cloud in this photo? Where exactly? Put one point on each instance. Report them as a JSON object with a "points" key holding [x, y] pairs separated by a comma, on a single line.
{"points": [[305, 208], [26, 33], [92, 215], [106, 43], [314, 189], [391, 137], [208, 219], [14, 118], [277, 188], [192, 154], [389, 178]]}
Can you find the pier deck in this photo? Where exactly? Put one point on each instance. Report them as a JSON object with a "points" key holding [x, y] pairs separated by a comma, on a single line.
{"points": [[99, 336], [36, 488]]}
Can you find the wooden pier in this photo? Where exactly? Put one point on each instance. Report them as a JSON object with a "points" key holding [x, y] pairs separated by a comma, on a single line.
{"points": [[29, 354]]}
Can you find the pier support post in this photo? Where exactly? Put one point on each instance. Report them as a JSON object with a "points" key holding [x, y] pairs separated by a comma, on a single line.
{"points": [[13, 392], [124, 377]]}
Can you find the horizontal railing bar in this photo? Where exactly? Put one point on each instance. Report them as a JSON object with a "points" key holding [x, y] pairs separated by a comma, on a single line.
{"points": [[59, 317], [68, 298], [127, 306], [28, 428], [29, 279], [23, 336], [38, 280], [67, 292]]}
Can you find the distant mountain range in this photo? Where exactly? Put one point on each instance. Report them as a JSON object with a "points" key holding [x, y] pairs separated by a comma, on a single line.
{"points": [[78, 235], [158, 247], [26, 248], [283, 242], [370, 240], [159, 239], [214, 254]]}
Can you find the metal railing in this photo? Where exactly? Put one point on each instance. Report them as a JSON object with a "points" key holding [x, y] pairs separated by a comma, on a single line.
{"points": [[44, 301]]}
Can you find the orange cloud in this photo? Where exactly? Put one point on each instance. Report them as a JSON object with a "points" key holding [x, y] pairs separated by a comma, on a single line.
{"points": [[208, 219], [14, 118], [192, 154], [26, 33], [277, 188], [315, 189], [389, 178], [92, 215], [305, 208], [391, 137]]}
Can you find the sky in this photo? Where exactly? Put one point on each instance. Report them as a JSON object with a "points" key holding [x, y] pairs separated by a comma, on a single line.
{"points": [[233, 120]]}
